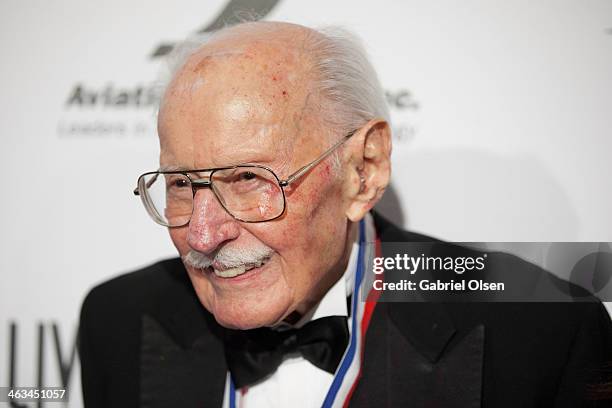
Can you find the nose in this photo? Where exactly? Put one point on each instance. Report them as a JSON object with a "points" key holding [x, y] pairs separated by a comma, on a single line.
{"points": [[210, 224]]}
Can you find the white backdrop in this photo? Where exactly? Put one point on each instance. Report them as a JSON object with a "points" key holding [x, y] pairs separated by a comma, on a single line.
{"points": [[502, 116]]}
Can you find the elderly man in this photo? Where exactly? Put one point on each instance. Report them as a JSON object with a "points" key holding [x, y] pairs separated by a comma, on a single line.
{"points": [[275, 146]]}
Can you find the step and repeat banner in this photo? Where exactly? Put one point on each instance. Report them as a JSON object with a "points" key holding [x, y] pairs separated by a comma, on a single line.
{"points": [[502, 120]]}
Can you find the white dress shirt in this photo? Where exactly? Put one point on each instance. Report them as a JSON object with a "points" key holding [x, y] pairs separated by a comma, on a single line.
{"points": [[297, 382]]}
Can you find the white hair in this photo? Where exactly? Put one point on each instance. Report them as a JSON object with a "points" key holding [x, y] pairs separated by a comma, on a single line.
{"points": [[344, 78]]}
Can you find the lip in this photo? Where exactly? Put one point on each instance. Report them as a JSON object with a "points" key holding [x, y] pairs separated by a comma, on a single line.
{"points": [[220, 267], [249, 275]]}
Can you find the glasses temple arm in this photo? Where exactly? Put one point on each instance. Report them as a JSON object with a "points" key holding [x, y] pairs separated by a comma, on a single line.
{"points": [[303, 170]]}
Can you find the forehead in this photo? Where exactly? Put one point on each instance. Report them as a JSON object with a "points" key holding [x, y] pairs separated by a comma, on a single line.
{"points": [[235, 105]]}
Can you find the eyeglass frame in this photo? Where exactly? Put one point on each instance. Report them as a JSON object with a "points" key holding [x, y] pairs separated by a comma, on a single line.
{"points": [[208, 183]]}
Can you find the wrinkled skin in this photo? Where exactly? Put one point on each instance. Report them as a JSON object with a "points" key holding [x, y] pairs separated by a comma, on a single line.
{"points": [[243, 100]]}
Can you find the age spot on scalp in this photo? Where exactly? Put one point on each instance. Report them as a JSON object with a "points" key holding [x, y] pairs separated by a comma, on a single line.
{"points": [[202, 63]]}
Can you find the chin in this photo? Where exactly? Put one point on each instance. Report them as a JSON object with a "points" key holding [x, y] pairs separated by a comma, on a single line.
{"points": [[245, 317], [245, 310]]}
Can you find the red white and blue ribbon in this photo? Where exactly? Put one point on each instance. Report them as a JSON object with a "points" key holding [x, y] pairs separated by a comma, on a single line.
{"points": [[348, 372]]}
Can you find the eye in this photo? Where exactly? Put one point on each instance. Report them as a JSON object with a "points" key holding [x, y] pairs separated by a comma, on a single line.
{"points": [[246, 176], [180, 183], [177, 182]]}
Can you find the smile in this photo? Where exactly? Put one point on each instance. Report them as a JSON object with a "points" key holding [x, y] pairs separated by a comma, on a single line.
{"points": [[237, 270]]}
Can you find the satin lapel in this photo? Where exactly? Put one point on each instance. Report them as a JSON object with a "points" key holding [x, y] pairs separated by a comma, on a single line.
{"points": [[415, 370], [414, 355], [182, 362], [437, 366]]}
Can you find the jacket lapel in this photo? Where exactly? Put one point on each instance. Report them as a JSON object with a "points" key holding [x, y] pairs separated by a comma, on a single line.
{"points": [[414, 354], [414, 358], [181, 357]]}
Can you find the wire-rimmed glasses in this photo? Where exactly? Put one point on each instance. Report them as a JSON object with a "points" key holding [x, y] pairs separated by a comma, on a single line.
{"points": [[248, 192]]}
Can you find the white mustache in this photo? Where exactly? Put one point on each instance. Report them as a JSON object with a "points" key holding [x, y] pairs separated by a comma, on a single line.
{"points": [[229, 257]]}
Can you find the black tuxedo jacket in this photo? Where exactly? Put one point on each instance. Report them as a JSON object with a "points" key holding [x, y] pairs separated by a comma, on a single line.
{"points": [[146, 341]]}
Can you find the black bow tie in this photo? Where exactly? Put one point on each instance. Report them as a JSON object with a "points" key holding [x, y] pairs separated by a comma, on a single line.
{"points": [[252, 355]]}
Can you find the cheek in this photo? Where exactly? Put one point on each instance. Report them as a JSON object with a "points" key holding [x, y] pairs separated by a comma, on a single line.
{"points": [[326, 172], [314, 217], [320, 189], [325, 200], [179, 239]]}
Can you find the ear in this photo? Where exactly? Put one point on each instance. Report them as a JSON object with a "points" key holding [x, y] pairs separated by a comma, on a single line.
{"points": [[369, 168]]}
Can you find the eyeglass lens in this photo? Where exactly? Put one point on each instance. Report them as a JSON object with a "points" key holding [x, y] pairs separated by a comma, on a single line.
{"points": [[249, 194]]}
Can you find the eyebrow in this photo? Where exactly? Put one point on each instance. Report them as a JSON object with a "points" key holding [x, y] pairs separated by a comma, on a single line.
{"points": [[172, 168]]}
